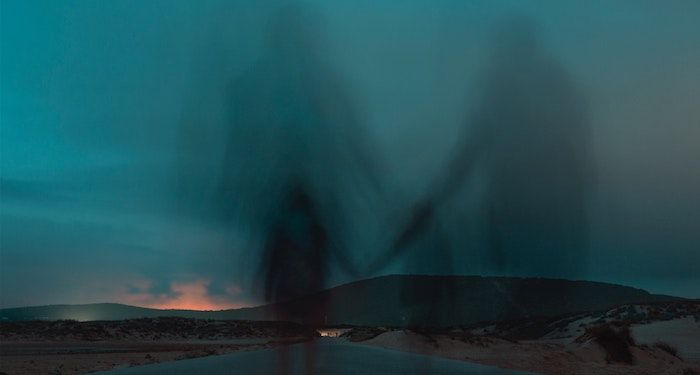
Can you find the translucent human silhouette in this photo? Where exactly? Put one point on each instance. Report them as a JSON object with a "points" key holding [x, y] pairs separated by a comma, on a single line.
{"points": [[297, 164], [529, 141]]}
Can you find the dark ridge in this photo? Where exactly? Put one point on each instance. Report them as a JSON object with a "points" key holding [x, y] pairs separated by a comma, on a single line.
{"points": [[399, 301]]}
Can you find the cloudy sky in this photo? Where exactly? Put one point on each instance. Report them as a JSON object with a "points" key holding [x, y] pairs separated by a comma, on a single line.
{"points": [[95, 97]]}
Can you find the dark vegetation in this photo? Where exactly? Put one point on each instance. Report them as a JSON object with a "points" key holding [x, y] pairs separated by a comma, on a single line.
{"points": [[358, 334], [615, 339], [667, 348], [537, 327], [528, 329], [170, 329]]}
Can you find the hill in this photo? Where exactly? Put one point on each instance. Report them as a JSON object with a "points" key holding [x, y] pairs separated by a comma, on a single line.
{"points": [[398, 300], [94, 311]]}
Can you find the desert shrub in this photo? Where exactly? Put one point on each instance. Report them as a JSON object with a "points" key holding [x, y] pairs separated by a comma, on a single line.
{"points": [[481, 341], [427, 334], [358, 334], [667, 348], [616, 340]]}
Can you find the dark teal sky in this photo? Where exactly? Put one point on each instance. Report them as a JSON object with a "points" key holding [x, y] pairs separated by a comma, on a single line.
{"points": [[95, 96]]}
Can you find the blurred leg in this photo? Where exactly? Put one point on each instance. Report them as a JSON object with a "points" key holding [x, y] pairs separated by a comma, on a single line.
{"points": [[284, 365], [309, 357]]}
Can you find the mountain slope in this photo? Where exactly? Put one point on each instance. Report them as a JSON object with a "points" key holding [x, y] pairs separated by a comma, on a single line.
{"points": [[95, 311], [399, 300], [416, 300]]}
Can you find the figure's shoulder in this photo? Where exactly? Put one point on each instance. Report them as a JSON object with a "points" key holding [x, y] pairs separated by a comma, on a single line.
{"points": [[336, 92], [255, 75]]}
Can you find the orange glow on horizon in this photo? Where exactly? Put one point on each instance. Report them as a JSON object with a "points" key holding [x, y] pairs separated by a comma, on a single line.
{"points": [[187, 296]]}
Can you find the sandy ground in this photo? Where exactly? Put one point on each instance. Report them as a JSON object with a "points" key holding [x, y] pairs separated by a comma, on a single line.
{"points": [[555, 357], [683, 334], [80, 357]]}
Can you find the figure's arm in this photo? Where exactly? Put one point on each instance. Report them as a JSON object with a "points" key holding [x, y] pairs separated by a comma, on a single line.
{"points": [[446, 185], [359, 146], [461, 164], [346, 263], [442, 189]]}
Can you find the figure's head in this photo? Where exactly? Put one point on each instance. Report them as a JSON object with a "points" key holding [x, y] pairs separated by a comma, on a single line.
{"points": [[295, 30], [298, 197], [517, 37]]}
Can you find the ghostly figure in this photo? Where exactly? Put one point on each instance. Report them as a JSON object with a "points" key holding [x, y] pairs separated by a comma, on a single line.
{"points": [[531, 134], [292, 119], [297, 165], [528, 141], [293, 127], [295, 257]]}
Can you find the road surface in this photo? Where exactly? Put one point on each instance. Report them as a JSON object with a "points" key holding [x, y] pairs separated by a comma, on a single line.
{"points": [[332, 356]]}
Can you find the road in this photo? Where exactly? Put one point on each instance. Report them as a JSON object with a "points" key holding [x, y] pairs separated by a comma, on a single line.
{"points": [[332, 356]]}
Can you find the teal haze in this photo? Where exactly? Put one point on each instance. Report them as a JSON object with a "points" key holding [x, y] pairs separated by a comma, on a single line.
{"points": [[146, 148]]}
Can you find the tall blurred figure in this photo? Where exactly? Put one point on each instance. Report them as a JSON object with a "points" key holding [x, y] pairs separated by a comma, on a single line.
{"points": [[528, 141], [532, 133], [297, 164]]}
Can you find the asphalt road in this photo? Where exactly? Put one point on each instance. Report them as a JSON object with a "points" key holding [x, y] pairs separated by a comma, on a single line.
{"points": [[330, 356]]}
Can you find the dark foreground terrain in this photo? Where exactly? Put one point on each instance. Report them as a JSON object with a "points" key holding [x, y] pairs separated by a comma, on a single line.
{"points": [[648, 339], [546, 326], [71, 347]]}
